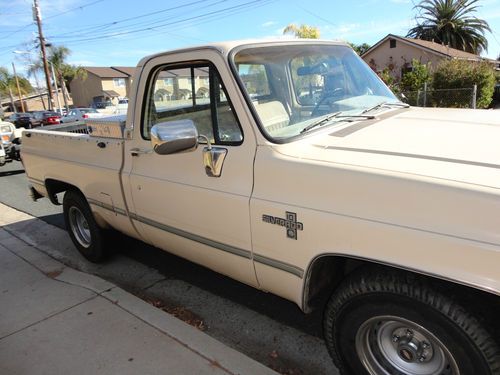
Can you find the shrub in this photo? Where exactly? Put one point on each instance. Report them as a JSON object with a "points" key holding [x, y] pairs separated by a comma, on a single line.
{"points": [[416, 78], [389, 80], [460, 74]]}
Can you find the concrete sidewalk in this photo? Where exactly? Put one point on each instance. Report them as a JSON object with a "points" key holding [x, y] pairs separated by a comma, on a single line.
{"points": [[56, 320]]}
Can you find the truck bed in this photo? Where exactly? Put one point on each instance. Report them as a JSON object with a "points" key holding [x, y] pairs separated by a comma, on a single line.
{"points": [[76, 155]]}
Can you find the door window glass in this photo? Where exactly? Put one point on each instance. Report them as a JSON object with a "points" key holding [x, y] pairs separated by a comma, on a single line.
{"points": [[195, 93]]}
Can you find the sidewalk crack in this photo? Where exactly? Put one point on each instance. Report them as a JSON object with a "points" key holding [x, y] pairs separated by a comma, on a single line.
{"points": [[49, 317]]}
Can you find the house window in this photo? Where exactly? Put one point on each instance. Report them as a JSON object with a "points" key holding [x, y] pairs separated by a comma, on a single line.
{"points": [[119, 82], [392, 43]]}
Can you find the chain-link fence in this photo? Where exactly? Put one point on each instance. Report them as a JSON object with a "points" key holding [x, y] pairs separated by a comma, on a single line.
{"points": [[444, 98]]}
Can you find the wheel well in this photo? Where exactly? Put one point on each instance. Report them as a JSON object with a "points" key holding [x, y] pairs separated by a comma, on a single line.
{"points": [[55, 186], [326, 273]]}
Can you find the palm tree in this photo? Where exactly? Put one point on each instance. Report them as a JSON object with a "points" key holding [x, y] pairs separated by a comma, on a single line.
{"points": [[63, 71], [302, 31], [451, 22]]}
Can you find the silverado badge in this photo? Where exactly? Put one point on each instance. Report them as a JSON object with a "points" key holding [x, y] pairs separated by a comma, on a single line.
{"points": [[290, 223]]}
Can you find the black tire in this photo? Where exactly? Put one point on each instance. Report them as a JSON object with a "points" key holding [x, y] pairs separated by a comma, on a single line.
{"points": [[389, 320], [86, 235]]}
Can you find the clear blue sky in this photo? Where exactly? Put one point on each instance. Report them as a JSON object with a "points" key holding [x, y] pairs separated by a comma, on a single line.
{"points": [[120, 32]]}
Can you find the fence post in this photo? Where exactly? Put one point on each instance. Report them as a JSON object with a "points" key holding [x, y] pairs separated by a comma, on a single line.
{"points": [[418, 98], [474, 96], [425, 94]]}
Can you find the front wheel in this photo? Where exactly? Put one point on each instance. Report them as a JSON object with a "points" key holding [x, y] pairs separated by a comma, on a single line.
{"points": [[86, 235], [398, 324]]}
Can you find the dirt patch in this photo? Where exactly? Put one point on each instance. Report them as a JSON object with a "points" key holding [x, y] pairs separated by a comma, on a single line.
{"points": [[54, 274], [181, 313]]}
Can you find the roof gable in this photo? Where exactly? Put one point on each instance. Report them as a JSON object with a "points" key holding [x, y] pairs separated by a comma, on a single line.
{"points": [[107, 72], [433, 47]]}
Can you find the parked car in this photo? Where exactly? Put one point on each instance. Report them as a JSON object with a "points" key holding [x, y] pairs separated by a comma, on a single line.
{"points": [[102, 104], [42, 118], [80, 114], [21, 120]]}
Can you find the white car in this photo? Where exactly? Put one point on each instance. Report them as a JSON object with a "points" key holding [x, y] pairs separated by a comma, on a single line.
{"points": [[80, 114], [10, 142]]}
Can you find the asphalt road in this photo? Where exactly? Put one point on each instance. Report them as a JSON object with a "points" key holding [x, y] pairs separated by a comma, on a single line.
{"points": [[265, 327]]}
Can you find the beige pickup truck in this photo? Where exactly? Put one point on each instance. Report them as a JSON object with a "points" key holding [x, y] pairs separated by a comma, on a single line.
{"points": [[291, 167]]}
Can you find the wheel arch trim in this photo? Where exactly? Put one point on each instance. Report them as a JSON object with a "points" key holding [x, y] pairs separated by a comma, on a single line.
{"points": [[367, 261]]}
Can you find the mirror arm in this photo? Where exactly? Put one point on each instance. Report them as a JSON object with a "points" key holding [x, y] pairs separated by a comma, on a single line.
{"points": [[209, 146]]}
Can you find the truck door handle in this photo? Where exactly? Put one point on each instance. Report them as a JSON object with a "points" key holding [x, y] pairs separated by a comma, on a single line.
{"points": [[139, 151]]}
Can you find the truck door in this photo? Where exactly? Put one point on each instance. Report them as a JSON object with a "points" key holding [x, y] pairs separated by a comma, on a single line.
{"points": [[177, 204]]}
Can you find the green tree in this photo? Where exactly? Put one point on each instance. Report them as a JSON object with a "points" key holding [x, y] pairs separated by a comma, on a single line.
{"points": [[8, 81], [416, 78], [360, 48], [302, 31], [460, 74], [64, 72], [388, 78], [451, 22]]}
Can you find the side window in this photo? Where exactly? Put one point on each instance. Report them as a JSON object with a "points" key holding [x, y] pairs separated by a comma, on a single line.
{"points": [[195, 93]]}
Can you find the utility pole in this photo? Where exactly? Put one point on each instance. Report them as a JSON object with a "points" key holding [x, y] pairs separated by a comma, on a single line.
{"points": [[57, 88], [18, 88], [12, 101], [38, 19]]}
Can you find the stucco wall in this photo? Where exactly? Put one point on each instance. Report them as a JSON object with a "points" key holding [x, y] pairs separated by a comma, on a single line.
{"points": [[108, 84], [83, 91], [383, 56]]}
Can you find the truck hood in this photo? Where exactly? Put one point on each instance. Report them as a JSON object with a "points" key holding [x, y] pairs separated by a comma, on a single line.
{"points": [[453, 144]]}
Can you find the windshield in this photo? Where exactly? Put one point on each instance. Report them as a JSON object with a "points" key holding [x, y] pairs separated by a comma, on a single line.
{"points": [[292, 87]]}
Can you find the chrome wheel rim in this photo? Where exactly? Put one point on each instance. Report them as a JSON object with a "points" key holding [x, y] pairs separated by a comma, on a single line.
{"points": [[392, 345], [79, 227]]}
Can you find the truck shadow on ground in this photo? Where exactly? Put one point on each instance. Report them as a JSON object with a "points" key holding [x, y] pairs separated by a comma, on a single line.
{"points": [[174, 267], [264, 303], [239, 315]]}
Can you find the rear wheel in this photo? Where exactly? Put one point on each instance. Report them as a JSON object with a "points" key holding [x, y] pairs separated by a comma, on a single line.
{"points": [[86, 235], [398, 324]]}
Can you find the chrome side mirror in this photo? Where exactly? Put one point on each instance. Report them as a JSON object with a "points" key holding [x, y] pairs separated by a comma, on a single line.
{"points": [[172, 137]]}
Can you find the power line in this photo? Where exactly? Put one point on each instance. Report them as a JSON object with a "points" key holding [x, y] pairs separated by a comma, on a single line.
{"points": [[159, 24], [244, 7], [170, 23], [111, 24], [315, 15], [52, 16], [76, 8]]}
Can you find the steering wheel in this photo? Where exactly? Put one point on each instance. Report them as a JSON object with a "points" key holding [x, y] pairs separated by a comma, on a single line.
{"points": [[330, 96]]}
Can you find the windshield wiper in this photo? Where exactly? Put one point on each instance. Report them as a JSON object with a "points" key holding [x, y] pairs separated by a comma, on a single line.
{"points": [[386, 104], [366, 117], [324, 120]]}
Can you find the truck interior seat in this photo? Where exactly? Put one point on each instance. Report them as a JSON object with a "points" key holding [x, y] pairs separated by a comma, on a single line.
{"points": [[273, 115]]}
